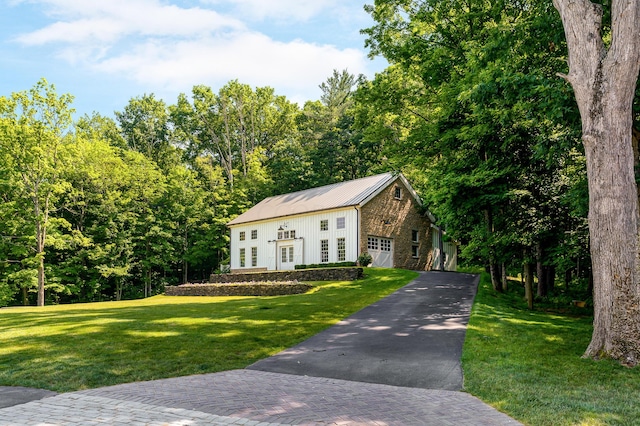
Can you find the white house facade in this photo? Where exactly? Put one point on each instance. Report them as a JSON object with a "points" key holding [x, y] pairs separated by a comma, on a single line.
{"points": [[378, 214], [280, 244]]}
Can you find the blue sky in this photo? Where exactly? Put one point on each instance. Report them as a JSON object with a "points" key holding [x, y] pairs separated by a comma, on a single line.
{"points": [[105, 52]]}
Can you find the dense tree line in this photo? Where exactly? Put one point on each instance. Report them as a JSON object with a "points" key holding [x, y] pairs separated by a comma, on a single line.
{"points": [[474, 108], [103, 208]]}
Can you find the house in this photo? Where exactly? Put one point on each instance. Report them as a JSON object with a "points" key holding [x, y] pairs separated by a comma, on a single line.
{"points": [[380, 214]]}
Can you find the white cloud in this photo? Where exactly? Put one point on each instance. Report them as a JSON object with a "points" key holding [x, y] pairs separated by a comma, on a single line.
{"points": [[166, 48], [300, 10], [82, 22], [295, 68]]}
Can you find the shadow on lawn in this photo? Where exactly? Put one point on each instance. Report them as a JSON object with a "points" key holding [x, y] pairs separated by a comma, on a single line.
{"points": [[65, 348]]}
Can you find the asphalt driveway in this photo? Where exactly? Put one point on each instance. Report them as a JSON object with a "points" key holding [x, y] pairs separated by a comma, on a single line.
{"points": [[412, 338]]}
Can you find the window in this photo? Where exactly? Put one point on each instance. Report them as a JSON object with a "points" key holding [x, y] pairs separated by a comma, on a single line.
{"points": [[415, 252], [341, 250], [290, 254], [324, 251], [372, 243], [242, 235], [254, 234], [242, 258], [324, 225], [283, 251], [340, 223], [415, 236], [397, 193], [254, 256], [286, 235], [385, 244]]}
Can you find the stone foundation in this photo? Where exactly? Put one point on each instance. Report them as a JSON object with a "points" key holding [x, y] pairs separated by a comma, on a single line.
{"points": [[239, 289], [329, 274]]}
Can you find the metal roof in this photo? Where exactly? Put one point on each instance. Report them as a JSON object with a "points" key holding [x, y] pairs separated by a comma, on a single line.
{"points": [[337, 195]]}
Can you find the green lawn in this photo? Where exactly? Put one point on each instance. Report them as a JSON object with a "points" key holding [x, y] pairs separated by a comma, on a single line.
{"points": [[73, 347], [528, 365]]}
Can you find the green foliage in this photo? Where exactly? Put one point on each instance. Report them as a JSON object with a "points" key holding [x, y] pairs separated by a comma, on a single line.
{"points": [[365, 259], [528, 364], [73, 347], [133, 204], [326, 265], [473, 113]]}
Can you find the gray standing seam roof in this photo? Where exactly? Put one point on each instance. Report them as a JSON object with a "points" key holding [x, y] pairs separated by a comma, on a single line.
{"points": [[334, 196]]}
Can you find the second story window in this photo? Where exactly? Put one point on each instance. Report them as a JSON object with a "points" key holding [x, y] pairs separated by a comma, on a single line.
{"points": [[243, 235], [397, 193], [324, 225], [287, 235], [254, 234], [340, 223], [415, 236]]}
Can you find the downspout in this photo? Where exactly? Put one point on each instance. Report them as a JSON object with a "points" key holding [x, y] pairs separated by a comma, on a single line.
{"points": [[358, 236]]}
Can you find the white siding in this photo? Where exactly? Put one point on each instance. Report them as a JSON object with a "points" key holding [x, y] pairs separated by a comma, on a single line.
{"points": [[307, 242]]}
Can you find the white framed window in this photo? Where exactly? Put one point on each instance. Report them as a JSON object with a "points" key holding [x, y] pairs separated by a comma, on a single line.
{"points": [[254, 234], [254, 256], [324, 225], [385, 244], [286, 235], [415, 236], [415, 252], [340, 223], [242, 258], [397, 193], [324, 251], [243, 235], [372, 243], [342, 252]]}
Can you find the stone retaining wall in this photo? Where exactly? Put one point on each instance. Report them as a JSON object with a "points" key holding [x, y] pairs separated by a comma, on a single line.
{"points": [[239, 289], [329, 274]]}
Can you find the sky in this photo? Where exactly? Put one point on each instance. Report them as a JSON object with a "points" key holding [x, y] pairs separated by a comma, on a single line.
{"points": [[106, 52]]}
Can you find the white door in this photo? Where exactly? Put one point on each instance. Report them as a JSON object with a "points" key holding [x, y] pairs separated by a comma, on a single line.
{"points": [[286, 257], [381, 250]]}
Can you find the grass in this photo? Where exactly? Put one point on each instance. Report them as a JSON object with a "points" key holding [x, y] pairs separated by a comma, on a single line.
{"points": [[72, 347], [528, 364]]}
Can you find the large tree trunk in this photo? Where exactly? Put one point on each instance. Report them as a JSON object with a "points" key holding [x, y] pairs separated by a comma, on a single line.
{"points": [[528, 283], [604, 84]]}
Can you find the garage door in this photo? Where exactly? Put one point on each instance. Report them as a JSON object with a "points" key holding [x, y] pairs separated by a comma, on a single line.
{"points": [[381, 250]]}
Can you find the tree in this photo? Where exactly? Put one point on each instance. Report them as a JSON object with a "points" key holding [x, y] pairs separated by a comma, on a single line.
{"points": [[32, 128], [145, 126], [604, 77], [230, 125], [334, 145], [472, 104]]}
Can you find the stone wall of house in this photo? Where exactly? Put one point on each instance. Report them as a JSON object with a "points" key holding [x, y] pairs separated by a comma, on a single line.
{"points": [[239, 289], [328, 274], [388, 217]]}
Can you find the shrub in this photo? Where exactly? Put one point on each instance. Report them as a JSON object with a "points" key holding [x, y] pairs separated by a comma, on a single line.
{"points": [[365, 259]]}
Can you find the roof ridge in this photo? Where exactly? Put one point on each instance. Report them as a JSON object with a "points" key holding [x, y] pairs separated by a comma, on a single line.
{"points": [[329, 185], [327, 197]]}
